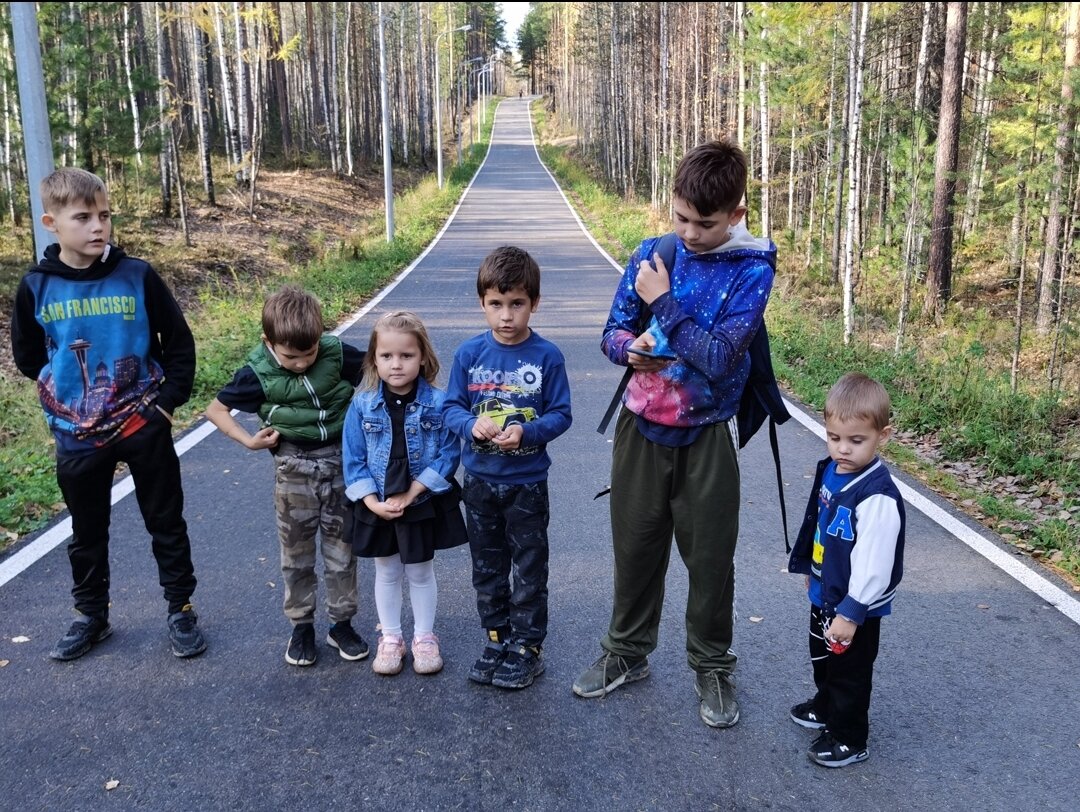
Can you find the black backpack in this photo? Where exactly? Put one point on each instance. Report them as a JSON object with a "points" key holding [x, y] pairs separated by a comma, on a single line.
{"points": [[761, 397]]}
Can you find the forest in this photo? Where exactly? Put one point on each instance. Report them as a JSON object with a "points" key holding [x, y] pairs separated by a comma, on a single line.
{"points": [[914, 162]]}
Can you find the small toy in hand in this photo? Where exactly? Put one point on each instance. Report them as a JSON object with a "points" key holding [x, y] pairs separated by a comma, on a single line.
{"points": [[837, 646]]}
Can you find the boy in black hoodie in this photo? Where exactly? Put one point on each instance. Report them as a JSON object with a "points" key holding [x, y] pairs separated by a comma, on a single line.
{"points": [[113, 357]]}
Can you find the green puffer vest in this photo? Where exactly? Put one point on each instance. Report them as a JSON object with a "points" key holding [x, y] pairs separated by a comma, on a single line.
{"points": [[310, 406]]}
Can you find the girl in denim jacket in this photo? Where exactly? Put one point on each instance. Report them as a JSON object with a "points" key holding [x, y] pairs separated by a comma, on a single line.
{"points": [[399, 464]]}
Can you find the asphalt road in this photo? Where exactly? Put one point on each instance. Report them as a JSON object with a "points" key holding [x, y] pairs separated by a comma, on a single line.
{"points": [[975, 702]]}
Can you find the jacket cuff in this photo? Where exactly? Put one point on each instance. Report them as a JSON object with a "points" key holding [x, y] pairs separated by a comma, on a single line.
{"points": [[361, 488], [433, 481], [852, 610]]}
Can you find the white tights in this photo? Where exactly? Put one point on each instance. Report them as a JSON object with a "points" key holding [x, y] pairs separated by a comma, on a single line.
{"points": [[423, 594]]}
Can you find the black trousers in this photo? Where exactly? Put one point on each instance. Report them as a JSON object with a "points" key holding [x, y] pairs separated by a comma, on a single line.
{"points": [[86, 483], [507, 527], [844, 681]]}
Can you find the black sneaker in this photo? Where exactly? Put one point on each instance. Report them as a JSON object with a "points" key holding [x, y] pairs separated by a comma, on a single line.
{"points": [[184, 634], [608, 673], [301, 650], [490, 659], [349, 644], [522, 665], [82, 635], [803, 715], [828, 752]]}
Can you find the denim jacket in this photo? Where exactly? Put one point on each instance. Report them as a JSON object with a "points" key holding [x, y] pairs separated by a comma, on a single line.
{"points": [[434, 452]]}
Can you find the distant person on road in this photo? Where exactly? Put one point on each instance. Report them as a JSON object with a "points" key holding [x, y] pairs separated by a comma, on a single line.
{"points": [[508, 398], [399, 471], [299, 380], [851, 547], [675, 468], [113, 358]]}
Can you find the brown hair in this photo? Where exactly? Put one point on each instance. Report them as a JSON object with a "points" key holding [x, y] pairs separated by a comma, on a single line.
{"points": [[712, 177], [294, 317], [858, 397], [401, 321], [507, 268], [68, 185]]}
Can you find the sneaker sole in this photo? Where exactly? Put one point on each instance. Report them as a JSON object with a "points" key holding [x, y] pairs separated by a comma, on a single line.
{"points": [[807, 723], [480, 679], [60, 656], [386, 673], [514, 686], [855, 758], [618, 682], [330, 641], [186, 654]]}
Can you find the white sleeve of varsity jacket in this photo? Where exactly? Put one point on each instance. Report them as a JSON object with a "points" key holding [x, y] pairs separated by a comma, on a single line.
{"points": [[878, 523]]}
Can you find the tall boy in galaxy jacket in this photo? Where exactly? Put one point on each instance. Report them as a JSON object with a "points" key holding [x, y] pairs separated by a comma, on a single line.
{"points": [[113, 357], [675, 467]]}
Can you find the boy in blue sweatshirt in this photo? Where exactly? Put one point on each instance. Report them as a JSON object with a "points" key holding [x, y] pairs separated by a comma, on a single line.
{"points": [[507, 398], [851, 547], [113, 358], [685, 331]]}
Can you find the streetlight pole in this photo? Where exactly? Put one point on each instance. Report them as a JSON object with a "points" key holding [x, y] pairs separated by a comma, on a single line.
{"points": [[438, 97], [480, 116], [35, 113], [388, 169]]}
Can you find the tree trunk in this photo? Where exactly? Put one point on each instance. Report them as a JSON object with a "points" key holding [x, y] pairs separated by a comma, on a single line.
{"points": [[232, 132], [165, 158], [939, 265], [202, 105], [854, 130], [1049, 288], [763, 111], [132, 100]]}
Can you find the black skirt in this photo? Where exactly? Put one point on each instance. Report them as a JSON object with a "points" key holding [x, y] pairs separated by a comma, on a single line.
{"points": [[434, 524]]}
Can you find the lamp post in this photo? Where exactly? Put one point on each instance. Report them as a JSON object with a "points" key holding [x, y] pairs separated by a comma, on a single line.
{"points": [[438, 97], [388, 179], [480, 116]]}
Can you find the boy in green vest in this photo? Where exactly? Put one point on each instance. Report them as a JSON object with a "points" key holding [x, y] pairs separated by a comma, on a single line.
{"points": [[299, 380]]}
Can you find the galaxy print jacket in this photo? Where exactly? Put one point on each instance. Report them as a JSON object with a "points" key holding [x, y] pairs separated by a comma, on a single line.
{"points": [[707, 320]]}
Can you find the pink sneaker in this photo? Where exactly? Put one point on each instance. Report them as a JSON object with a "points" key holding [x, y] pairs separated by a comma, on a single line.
{"points": [[425, 652], [390, 657]]}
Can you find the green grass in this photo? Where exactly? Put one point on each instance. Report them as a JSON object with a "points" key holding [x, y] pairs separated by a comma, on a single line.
{"points": [[226, 326], [949, 390]]}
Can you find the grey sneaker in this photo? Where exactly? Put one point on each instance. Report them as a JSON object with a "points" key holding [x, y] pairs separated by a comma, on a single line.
{"points": [[716, 690], [608, 673], [184, 634], [82, 635]]}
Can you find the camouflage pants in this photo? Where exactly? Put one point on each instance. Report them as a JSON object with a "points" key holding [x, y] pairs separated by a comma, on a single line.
{"points": [[508, 532], [309, 495]]}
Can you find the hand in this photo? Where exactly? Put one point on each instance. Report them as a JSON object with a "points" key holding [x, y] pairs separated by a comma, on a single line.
{"points": [[652, 279], [263, 438], [485, 429], [643, 363], [841, 630], [510, 437], [388, 510]]}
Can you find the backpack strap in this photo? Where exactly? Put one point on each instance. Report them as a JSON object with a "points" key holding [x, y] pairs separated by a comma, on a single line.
{"points": [[779, 480], [665, 247]]}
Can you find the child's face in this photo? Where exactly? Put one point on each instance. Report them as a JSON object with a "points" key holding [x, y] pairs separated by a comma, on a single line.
{"points": [[292, 359], [854, 443], [702, 232], [508, 314], [82, 229], [398, 360]]}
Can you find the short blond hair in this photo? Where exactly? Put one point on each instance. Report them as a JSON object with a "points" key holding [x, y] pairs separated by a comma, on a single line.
{"points": [[293, 317], [858, 397], [69, 185], [401, 321]]}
